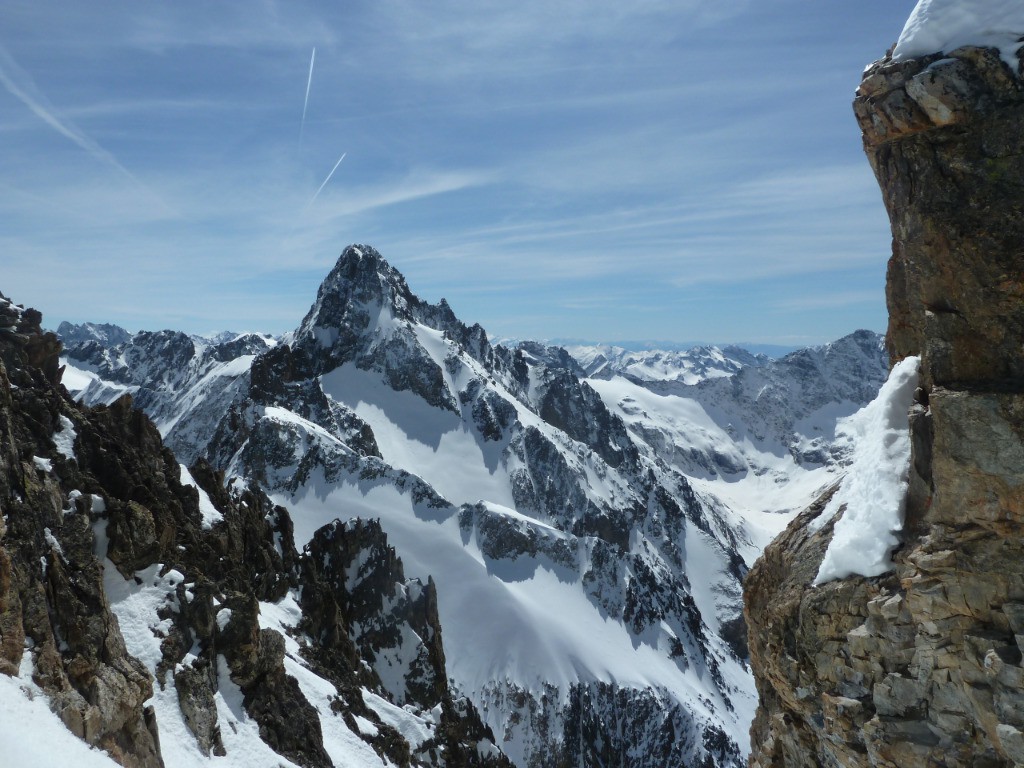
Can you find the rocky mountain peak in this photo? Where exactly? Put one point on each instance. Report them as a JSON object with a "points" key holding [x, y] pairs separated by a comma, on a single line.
{"points": [[360, 282], [365, 313], [922, 665], [106, 334]]}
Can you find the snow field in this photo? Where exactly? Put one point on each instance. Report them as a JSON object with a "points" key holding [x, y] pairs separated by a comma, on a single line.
{"points": [[422, 440], [525, 620]]}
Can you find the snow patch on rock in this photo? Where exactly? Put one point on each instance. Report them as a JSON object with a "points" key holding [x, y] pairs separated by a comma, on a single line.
{"points": [[211, 515], [64, 440], [875, 488]]}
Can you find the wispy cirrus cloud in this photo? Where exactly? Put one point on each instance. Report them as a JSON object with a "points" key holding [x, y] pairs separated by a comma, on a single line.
{"points": [[560, 170], [19, 84], [417, 184]]}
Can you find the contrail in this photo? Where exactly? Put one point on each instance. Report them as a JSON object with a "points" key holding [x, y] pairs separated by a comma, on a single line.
{"points": [[20, 85], [11, 74], [327, 179], [309, 82]]}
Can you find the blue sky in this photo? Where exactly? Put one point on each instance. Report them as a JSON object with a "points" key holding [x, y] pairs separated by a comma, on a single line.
{"points": [[598, 170]]}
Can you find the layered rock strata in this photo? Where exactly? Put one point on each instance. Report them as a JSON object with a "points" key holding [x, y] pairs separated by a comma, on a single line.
{"points": [[922, 666]]}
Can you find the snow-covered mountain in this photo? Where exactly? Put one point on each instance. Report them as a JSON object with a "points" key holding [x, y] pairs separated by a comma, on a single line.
{"points": [[689, 367], [587, 537], [150, 617], [769, 408], [104, 334], [184, 383], [761, 441]]}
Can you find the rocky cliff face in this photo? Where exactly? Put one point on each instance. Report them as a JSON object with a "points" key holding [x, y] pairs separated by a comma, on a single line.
{"points": [[922, 665]]}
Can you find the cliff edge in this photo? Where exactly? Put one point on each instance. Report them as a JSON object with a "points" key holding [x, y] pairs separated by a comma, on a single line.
{"points": [[922, 666]]}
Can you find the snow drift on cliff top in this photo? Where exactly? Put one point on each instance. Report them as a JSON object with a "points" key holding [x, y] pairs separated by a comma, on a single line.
{"points": [[936, 26]]}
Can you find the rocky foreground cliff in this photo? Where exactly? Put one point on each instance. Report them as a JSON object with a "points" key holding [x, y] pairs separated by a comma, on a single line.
{"points": [[922, 666]]}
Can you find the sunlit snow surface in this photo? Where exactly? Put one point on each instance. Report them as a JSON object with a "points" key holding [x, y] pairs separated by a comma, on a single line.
{"points": [[32, 735], [525, 621], [937, 26], [428, 442], [874, 490]]}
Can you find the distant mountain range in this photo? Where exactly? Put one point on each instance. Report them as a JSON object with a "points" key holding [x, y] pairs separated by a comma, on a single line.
{"points": [[651, 345], [587, 514]]}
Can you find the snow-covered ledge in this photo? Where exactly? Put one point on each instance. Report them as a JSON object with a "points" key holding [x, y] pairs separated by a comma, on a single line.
{"points": [[941, 26]]}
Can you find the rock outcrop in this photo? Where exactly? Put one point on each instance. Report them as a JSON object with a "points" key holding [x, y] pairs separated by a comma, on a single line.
{"points": [[52, 602], [922, 665]]}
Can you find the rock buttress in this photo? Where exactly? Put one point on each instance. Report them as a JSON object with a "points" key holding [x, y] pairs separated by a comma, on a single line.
{"points": [[922, 666]]}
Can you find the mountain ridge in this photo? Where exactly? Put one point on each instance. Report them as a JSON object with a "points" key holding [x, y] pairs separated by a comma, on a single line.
{"points": [[510, 478], [140, 598]]}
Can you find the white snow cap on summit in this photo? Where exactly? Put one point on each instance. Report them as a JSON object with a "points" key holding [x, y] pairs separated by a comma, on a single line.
{"points": [[937, 26]]}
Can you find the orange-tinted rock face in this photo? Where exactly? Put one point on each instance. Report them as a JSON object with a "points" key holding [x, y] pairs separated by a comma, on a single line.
{"points": [[922, 666], [943, 137]]}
